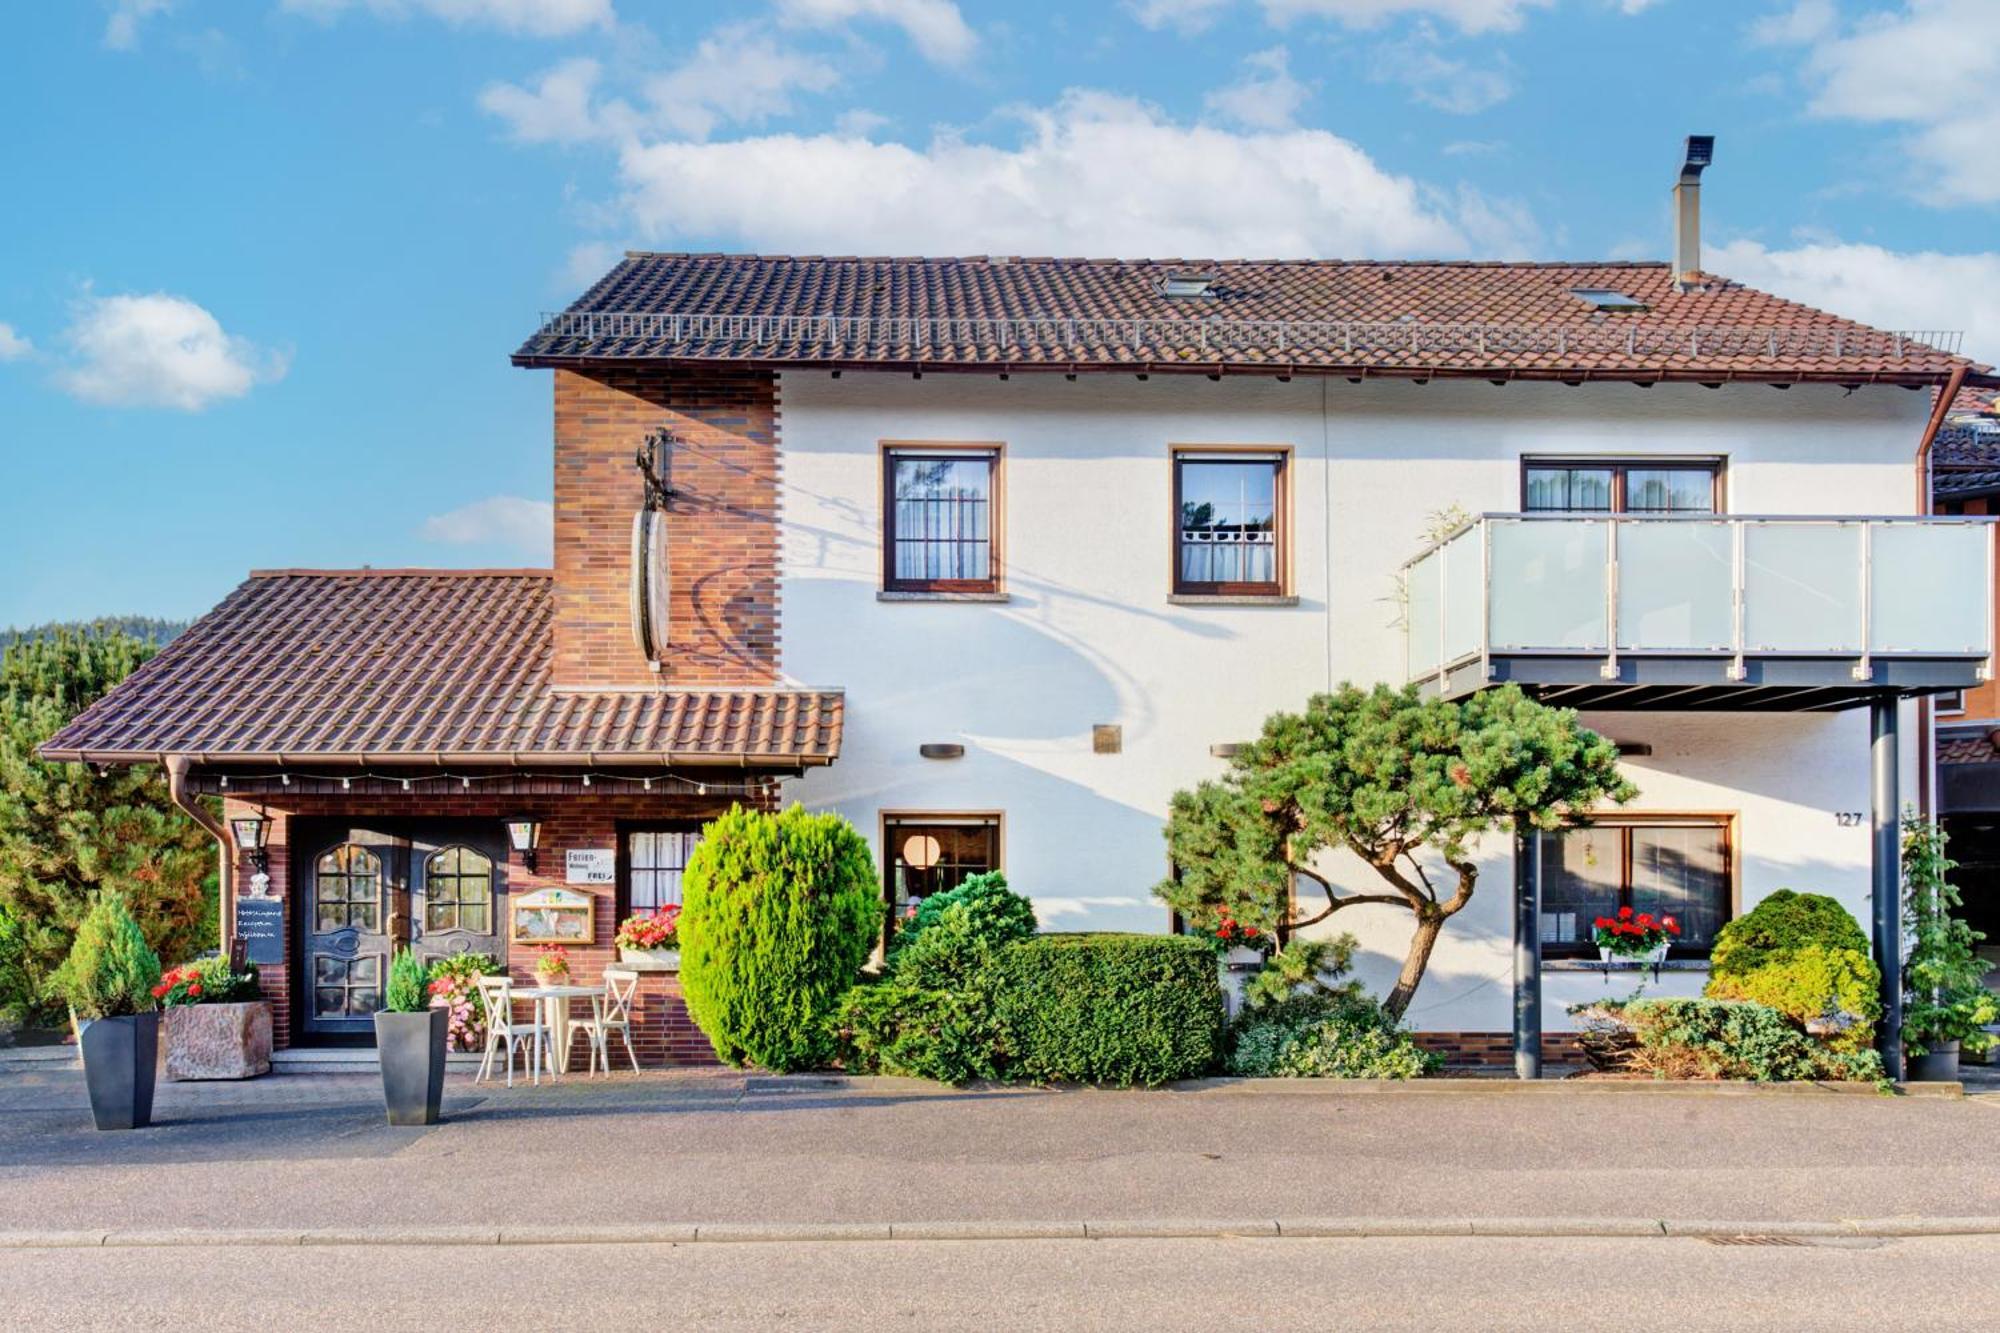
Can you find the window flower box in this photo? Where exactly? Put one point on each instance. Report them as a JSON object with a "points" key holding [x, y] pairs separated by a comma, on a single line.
{"points": [[652, 940]]}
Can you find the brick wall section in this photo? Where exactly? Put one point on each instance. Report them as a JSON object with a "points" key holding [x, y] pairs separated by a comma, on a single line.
{"points": [[1497, 1048], [662, 1032], [722, 537]]}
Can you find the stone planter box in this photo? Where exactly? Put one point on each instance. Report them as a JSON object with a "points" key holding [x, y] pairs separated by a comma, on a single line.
{"points": [[218, 1041]]}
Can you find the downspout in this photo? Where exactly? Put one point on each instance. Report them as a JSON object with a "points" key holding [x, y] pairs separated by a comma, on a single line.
{"points": [[1926, 756], [177, 776]]}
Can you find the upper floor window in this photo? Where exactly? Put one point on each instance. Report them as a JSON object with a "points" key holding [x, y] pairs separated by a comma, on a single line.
{"points": [[1650, 486], [940, 519], [1229, 536]]}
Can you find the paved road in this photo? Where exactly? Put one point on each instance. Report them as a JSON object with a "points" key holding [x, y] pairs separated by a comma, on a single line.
{"points": [[1111, 1284], [292, 1151]]}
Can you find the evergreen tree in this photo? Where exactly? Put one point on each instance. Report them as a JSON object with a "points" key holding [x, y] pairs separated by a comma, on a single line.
{"points": [[67, 832]]}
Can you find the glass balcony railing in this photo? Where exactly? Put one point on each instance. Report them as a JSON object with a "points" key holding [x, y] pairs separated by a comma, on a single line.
{"points": [[1727, 587]]}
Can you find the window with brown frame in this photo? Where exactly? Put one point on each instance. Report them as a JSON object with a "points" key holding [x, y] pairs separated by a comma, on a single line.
{"points": [[940, 517], [652, 862], [927, 854], [1667, 867], [1229, 522], [1632, 486]]}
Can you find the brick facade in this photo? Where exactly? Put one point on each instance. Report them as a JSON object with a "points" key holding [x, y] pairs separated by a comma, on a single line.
{"points": [[1497, 1048], [722, 533], [662, 1032]]}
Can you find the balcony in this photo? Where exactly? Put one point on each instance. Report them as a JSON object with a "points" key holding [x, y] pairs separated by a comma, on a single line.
{"points": [[1703, 611]]}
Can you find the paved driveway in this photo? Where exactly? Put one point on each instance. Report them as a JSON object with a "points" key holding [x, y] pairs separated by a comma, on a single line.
{"points": [[311, 1150]]}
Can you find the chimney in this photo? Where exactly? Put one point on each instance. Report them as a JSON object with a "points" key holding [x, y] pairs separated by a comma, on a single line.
{"points": [[1687, 210]]}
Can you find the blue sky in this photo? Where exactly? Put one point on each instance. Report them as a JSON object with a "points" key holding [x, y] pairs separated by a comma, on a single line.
{"points": [[263, 260]]}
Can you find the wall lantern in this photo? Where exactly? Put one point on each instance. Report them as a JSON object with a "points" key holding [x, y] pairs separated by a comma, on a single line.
{"points": [[526, 835], [252, 833]]}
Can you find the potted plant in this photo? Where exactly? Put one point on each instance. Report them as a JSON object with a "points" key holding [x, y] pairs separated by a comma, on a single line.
{"points": [[1638, 936], [217, 1022], [652, 938], [454, 988], [108, 981], [1945, 1005], [409, 1042], [552, 967], [1240, 944]]}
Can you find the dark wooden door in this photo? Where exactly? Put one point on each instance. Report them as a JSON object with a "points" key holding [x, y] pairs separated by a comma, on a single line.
{"points": [[457, 892], [353, 911]]}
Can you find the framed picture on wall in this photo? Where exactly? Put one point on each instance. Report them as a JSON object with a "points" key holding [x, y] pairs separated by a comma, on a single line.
{"points": [[552, 916]]}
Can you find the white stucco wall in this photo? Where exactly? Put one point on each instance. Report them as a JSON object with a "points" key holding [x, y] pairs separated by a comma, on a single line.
{"points": [[1090, 636]]}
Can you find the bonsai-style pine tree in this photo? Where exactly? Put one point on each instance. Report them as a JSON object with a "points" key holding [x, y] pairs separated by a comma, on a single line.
{"points": [[68, 832], [1403, 782]]}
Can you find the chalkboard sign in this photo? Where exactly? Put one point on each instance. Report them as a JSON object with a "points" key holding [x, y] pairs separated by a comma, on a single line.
{"points": [[261, 923]]}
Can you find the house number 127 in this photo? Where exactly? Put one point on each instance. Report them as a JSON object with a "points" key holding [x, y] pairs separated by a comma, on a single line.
{"points": [[1849, 818]]}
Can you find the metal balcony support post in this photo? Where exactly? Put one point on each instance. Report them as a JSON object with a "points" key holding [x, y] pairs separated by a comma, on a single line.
{"points": [[1887, 917], [1527, 954]]}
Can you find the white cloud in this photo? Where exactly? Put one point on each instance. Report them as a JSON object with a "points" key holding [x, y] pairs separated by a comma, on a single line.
{"points": [[859, 123], [1187, 16], [13, 346], [1471, 16], [528, 18], [1933, 68], [159, 351], [588, 262], [1095, 174], [935, 26], [1438, 80], [121, 30], [1267, 97], [1473, 147], [1887, 288], [526, 526], [737, 74]]}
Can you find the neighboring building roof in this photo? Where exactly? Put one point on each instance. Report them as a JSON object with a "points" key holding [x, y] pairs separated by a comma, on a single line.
{"points": [[1966, 747], [419, 666], [1499, 320], [1965, 456]]}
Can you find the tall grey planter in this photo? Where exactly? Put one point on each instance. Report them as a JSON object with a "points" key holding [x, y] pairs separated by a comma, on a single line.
{"points": [[119, 1060], [411, 1049], [1938, 1064]]}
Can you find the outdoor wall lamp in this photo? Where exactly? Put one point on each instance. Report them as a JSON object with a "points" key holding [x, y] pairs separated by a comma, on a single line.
{"points": [[526, 835], [252, 833]]}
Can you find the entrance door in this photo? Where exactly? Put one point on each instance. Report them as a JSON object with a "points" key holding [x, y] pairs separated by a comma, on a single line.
{"points": [[457, 893], [351, 916]]}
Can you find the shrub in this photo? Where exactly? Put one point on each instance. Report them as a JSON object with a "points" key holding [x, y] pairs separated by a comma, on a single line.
{"points": [[406, 992], [1944, 978], [981, 908], [1783, 923], [110, 970], [1715, 1039], [1116, 1009], [898, 1028], [453, 985], [779, 913], [1836, 991], [1343, 1034]]}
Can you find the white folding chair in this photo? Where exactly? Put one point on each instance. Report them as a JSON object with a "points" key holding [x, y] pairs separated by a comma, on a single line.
{"points": [[611, 1014], [530, 1037]]}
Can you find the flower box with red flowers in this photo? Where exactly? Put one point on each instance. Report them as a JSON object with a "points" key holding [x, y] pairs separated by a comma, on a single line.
{"points": [[1239, 943], [1637, 936], [652, 938], [216, 1026]]}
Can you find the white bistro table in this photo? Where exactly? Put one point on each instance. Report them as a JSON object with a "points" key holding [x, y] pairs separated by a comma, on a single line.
{"points": [[554, 1003]]}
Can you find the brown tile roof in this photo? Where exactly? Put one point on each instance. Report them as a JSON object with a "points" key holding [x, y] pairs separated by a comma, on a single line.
{"points": [[418, 666], [1965, 457], [1333, 316], [1966, 747]]}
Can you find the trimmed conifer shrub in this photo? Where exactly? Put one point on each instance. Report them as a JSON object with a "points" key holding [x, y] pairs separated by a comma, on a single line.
{"points": [[110, 970], [1114, 1009], [779, 913]]}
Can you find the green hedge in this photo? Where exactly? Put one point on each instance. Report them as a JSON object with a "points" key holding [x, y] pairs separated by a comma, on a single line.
{"points": [[1113, 1009], [780, 913]]}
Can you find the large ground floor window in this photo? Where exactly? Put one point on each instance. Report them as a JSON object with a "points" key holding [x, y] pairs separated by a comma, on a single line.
{"points": [[924, 854], [655, 860], [1668, 867]]}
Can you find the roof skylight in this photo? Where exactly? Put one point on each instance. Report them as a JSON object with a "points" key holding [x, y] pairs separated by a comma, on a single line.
{"points": [[1607, 298], [1183, 285]]}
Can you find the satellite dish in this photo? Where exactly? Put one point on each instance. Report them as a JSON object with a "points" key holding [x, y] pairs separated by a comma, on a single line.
{"points": [[650, 584]]}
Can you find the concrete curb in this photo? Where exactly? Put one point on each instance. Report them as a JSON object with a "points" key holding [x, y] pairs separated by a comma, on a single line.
{"points": [[765, 1233], [1555, 1087]]}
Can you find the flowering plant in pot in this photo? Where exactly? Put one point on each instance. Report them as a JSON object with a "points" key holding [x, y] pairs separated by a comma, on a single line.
{"points": [[217, 1023], [410, 1044], [552, 967], [1240, 943], [108, 981], [454, 988], [1634, 935], [651, 937]]}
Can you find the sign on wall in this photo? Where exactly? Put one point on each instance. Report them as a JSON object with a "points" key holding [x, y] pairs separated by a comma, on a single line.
{"points": [[551, 916], [590, 865], [261, 923]]}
